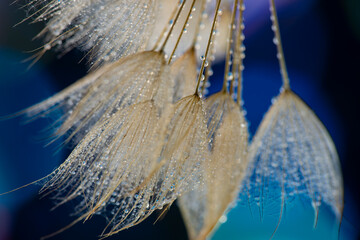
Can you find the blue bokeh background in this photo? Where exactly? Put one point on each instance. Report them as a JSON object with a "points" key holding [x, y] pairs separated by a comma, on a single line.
{"points": [[322, 48]]}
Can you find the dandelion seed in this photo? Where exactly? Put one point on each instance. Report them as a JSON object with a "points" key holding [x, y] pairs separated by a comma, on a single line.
{"points": [[184, 150], [223, 170], [117, 155], [292, 154], [106, 29], [126, 161], [113, 171], [178, 169], [106, 91]]}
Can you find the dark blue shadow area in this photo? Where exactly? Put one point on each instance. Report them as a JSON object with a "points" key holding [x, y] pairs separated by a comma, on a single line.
{"points": [[23, 158]]}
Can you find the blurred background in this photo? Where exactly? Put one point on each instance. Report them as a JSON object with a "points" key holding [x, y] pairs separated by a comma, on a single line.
{"points": [[322, 47]]}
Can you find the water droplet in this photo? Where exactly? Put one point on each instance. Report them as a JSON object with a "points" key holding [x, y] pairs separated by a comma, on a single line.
{"points": [[223, 219]]}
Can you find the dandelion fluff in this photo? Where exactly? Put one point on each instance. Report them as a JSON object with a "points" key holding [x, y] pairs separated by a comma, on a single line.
{"points": [[107, 29], [184, 149], [130, 80], [134, 162], [112, 171], [292, 154], [223, 171], [104, 171], [180, 164], [182, 155]]}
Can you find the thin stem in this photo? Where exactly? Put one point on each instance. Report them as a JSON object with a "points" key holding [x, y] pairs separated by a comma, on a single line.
{"points": [[196, 40], [236, 55], [228, 47], [240, 40], [278, 43], [207, 47], [210, 60], [173, 24], [182, 32]]}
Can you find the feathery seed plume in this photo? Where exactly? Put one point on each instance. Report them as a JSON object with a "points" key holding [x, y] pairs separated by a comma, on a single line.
{"points": [[110, 89], [224, 169], [106, 29], [293, 155]]}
